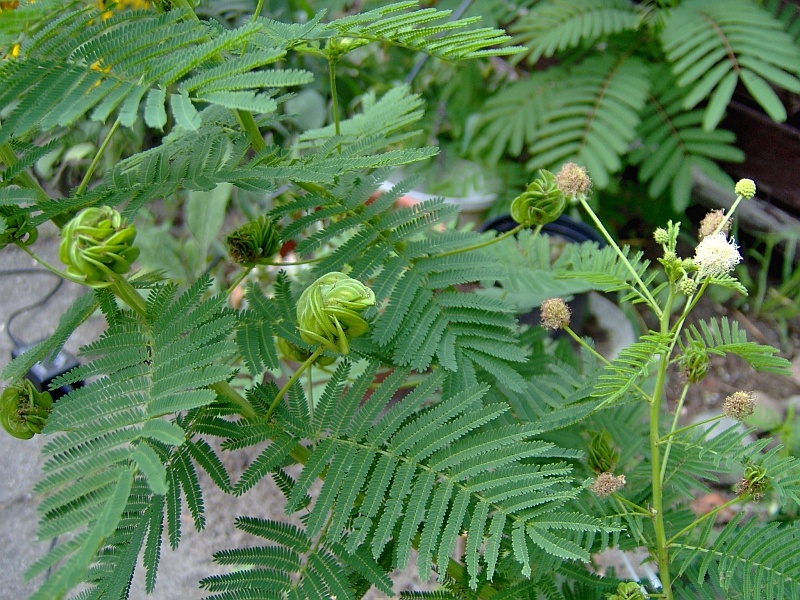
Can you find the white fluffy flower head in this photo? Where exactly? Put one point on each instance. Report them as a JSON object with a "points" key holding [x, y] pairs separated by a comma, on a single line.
{"points": [[715, 255]]}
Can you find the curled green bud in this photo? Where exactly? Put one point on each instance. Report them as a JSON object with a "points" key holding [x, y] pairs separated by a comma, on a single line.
{"points": [[603, 454], [96, 244], [294, 352], [746, 188], [542, 201], [328, 311], [629, 590], [14, 227], [254, 243], [24, 410], [694, 361], [754, 482]]}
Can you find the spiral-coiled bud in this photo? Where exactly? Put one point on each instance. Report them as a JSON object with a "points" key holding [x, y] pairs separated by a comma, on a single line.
{"points": [[694, 361], [328, 311], [628, 590], [254, 243], [96, 244], [24, 410], [603, 454], [542, 201]]}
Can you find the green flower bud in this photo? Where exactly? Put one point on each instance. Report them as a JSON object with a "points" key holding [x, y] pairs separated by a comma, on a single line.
{"points": [[746, 188], [24, 410], [694, 362], [687, 286], [254, 243], [629, 590], [754, 482], [661, 236], [294, 352], [542, 201], [96, 244], [14, 227], [328, 311], [603, 454]]}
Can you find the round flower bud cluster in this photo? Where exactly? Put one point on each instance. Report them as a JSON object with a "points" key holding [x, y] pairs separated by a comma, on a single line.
{"points": [[661, 236], [746, 188], [254, 243], [606, 484], [739, 405], [573, 180], [328, 311], [555, 313], [24, 410], [715, 255], [687, 286], [712, 220], [542, 202], [96, 244]]}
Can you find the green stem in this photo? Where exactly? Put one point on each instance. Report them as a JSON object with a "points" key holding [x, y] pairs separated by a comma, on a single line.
{"points": [[602, 358], [688, 427], [47, 265], [334, 97], [697, 522], [661, 549], [226, 391], [729, 215], [489, 242], [248, 123], [239, 278], [129, 295], [97, 156], [645, 292], [295, 263], [673, 430], [638, 510], [291, 381]]}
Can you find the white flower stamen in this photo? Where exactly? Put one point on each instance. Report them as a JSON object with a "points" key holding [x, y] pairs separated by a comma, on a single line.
{"points": [[715, 255]]}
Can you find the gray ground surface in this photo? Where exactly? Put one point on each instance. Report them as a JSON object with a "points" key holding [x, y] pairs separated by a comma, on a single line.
{"points": [[20, 463]]}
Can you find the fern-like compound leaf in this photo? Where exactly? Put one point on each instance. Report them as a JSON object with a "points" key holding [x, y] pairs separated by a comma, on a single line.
{"points": [[713, 47], [557, 25], [441, 467], [721, 336], [674, 142]]}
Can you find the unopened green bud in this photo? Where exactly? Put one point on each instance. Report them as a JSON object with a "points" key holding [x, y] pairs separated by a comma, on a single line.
{"points": [[603, 454], [542, 201], [687, 286], [254, 243], [14, 227], [694, 362], [754, 482], [661, 236], [629, 590], [24, 410], [328, 311], [746, 188], [96, 244]]}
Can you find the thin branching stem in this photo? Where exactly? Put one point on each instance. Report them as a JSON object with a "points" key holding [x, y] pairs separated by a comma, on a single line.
{"points": [[489, 242], [309, 361], [47, 265], [96, 160], [642, 287], [225, 390], [673, 429], [699, 520]]}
